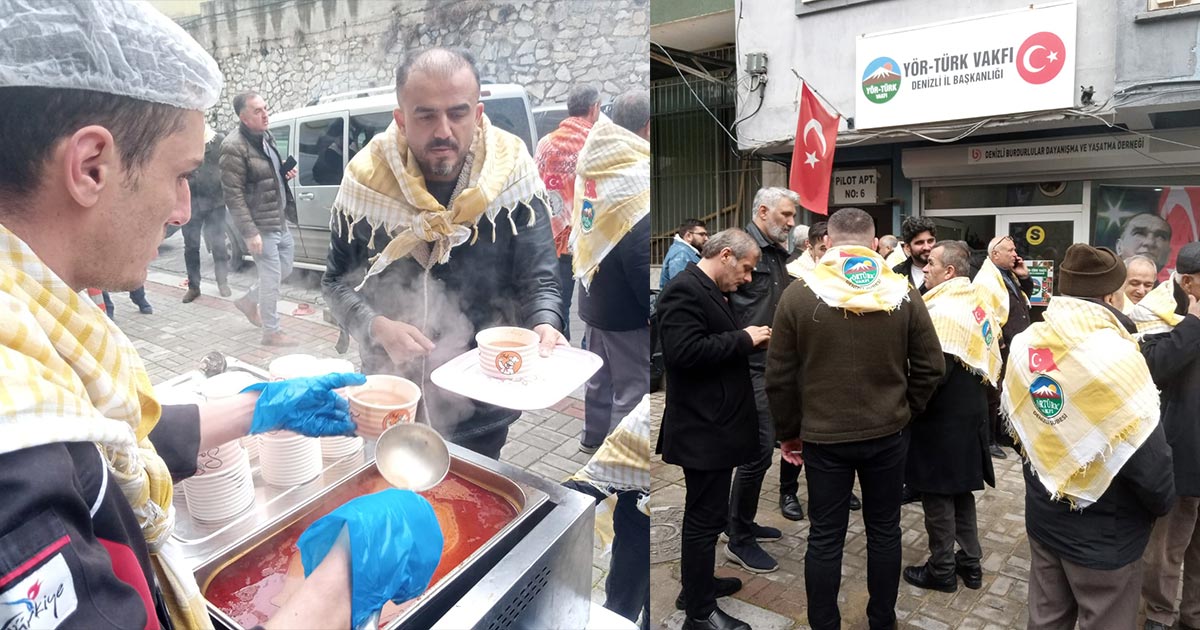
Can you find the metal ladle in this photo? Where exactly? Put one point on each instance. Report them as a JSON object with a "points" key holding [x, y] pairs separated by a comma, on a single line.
{"points": [[413, 457]]}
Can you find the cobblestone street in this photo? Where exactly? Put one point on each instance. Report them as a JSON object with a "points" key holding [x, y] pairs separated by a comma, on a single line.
{"points": [[176, 337], [777, 601]]}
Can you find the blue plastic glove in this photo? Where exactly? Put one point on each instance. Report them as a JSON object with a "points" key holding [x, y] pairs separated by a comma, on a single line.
{"points": [[307, 405], [395, 545]]}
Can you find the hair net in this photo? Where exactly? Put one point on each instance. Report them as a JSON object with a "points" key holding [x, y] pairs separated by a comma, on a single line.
{"points": [[112, 46]]}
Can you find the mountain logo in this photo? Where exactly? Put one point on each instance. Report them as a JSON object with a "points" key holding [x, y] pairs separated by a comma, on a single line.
{"points": [[986, 330], [881, 80], [1047, 398], [860, 271], [587, 215]]}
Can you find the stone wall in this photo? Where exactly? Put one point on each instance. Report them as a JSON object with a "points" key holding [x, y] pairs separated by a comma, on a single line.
{"points": [[292, 51]]}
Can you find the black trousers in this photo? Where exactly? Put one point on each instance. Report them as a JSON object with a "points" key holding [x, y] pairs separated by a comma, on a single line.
{"points": [[748, 478], [487, 443], [566, 286], [209, 222], [789, 477], [879, 464], [627, 589], [705, 512]]}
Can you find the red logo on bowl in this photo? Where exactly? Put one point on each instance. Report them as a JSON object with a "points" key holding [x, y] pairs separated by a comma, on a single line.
{"points": [[508, 363], [395, 417]]}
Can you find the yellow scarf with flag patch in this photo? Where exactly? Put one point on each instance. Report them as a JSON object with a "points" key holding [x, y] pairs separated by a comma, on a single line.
{"points": [[805, 263], [1156, 312], [856, 279], [992, 291], [384, 186], [70, 375], [612, 193], [1079, 398], [965, 328], [623, 461]]}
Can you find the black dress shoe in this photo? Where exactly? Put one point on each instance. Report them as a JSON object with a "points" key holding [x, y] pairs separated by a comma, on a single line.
{"points": [[908, 495], [920, 577], [972, 577], [191, 295], [725, 586], [717, 620], [997, 452], [855, 504], [790, 508]]}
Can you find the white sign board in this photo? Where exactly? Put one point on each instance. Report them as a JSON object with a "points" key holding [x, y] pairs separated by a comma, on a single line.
{"points": [[1054, 149], [1003, 63], [855, 187]]}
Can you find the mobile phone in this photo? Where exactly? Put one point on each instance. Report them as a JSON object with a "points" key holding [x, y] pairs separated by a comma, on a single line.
{"points": [[288, 165]]}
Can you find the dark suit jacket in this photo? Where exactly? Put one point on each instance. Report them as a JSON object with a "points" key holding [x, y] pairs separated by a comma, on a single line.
{"points": [[710, 422], [905, 269]]}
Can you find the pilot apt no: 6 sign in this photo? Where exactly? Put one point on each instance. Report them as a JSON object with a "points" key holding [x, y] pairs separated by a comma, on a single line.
{"points": [[988, 65]]}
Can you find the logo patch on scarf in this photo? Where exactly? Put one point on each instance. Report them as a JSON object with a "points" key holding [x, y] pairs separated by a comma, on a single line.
{"points": [[1041, 360], [589, 188], [979, 315], [1047, 398], [43, 600], [587, 215], [860, 271], [986, 331]]}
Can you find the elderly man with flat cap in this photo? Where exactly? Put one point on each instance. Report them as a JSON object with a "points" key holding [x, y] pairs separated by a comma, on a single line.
{"points": [[1097, 471], [101, 120], [1168, 317]]}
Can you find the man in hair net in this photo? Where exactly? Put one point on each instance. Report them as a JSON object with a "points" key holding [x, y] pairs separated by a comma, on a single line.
{"points": [[101, 122]]}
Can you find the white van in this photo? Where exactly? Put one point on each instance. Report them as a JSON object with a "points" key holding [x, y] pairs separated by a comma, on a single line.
{"points": [[324, 136]]}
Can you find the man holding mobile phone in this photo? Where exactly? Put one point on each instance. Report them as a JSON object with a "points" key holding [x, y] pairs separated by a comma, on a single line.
{"points": [[254, 180], [1002, 251]]}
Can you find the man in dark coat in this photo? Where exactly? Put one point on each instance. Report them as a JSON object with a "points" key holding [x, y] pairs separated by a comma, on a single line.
{"points": [[208, 220], [948, 455], [709, 424], [754, 305], [920, 234], [1174, 361], [1003, 253]]}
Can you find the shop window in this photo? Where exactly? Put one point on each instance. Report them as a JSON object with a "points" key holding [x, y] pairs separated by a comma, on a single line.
{"points": [[1002, 195]]}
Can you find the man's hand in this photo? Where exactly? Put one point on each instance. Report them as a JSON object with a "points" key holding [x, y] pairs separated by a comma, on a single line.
{"points": [[254, 245], [792, 451], [291, 174], [1193, 306], [403, 342], [550, 337], [1020, 269], [760, 335]]}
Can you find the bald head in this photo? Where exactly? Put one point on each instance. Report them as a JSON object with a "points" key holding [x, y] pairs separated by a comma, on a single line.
{"points": [[1140, 272], [887, 244]]}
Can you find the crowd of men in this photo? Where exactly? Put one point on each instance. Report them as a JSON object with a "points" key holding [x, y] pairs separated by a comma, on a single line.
{"points": [[909, 377]]}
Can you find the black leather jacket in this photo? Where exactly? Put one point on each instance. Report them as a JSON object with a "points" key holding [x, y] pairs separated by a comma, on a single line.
{"points": [[754, 303], [508, 281]]}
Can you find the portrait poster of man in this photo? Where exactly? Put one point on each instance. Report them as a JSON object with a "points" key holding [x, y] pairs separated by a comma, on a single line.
{"points": [[1153, 221]]}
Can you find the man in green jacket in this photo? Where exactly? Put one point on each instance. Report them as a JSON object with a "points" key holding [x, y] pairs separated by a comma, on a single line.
{"points": [[853, 357]]}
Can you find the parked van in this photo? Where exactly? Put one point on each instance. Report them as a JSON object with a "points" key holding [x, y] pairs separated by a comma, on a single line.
{"points": [[324, 136]]}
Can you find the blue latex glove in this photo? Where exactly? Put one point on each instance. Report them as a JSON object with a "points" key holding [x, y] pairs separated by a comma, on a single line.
{"points": [[307, 405], [395, 545]]}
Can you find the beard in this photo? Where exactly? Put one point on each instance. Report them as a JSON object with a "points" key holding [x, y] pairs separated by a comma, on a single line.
{"points": [[778, 233]]}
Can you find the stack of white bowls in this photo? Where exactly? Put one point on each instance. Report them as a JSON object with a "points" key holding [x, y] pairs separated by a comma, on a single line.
{"points": [[288, 459], [222, 486], [226, 385]]}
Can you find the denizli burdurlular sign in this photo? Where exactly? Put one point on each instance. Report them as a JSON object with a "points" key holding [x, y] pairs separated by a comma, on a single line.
{"points": [[1002, 63]]}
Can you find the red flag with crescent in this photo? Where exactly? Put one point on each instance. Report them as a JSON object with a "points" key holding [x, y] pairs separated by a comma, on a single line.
{"points": [[1041, 360], [812, 157]]}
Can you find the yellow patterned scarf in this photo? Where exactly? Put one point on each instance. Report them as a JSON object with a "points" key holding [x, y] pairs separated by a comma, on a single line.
{"points": [[612, 193], [965, 328], [1079, 398], [856, 279], [805, 263], [70, 375], [992, 291], [1156, 312], [384, 186]]}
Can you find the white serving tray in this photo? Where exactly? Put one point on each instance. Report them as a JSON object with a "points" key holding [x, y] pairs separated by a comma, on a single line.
{"points": [[555, 378]]}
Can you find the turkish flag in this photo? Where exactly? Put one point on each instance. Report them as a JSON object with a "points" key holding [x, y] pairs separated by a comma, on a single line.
{"points": [[812, 157], [1041, 360]]}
